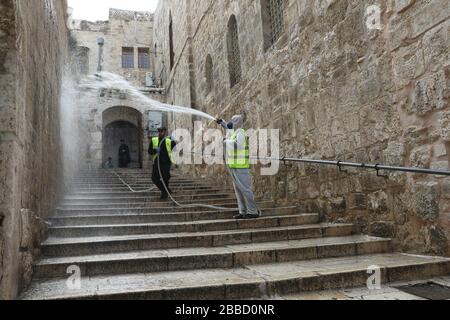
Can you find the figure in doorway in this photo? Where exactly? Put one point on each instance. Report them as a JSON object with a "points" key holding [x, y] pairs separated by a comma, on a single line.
{"points": [[124, 155], [108, 164]]}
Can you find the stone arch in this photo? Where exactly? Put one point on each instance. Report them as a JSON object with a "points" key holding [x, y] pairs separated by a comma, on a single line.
{"points": [[273, 21], [122, 123], [234, 53], [209, 74]]}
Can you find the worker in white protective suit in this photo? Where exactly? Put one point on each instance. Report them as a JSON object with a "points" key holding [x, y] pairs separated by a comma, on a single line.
{"points": [[238, 161]]}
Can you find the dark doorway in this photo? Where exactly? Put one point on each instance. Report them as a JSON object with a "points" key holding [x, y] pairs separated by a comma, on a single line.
{"points": [[112, 136]]}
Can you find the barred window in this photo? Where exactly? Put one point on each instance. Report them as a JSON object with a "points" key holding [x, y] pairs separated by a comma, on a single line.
{"points": [[209, 74], [127, 58], [144, 58], [272, 12], [234, 55]]}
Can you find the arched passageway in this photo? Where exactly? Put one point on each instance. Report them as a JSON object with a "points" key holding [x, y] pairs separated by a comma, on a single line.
{"points": [[123, 124]]}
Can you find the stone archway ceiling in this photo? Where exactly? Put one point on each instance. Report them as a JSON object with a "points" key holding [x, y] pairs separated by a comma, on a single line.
{"points": [[127, 114]]}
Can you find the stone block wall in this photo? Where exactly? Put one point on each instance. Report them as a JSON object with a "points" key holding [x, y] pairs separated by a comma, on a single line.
{"points": [[33, 50], [95, 110], [123, 29], [340, 88]]}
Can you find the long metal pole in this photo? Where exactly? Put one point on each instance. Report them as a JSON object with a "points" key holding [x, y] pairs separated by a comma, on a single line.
{"points": [[343, 164]]}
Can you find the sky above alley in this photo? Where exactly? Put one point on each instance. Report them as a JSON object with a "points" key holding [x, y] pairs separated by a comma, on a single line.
{"points": [[94, 10]]}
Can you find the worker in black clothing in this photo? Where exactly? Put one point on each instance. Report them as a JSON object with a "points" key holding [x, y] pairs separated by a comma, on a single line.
{"points": [[161, 148]]}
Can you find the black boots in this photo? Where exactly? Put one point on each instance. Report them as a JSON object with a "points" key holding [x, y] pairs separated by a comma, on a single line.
{"points": [[248, 216]]}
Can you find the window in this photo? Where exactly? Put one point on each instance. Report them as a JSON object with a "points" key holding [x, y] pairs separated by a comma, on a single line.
{"points": [[209, 74], [172, 53], [128, 58], [82, 60], [144, 58], [272, 12], [234, 54]]}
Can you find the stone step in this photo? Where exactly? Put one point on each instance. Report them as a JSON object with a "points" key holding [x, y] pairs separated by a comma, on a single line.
{"points": [[180, 227], [143, 179], [148, 181], [64, 247], [119, 184], [252, 281], [157, 203], [128, 193], [125, 176], [159, 207], [140, 195], [126, 189], [233, 256], [145, 200], [146, 176], [159, 217]]}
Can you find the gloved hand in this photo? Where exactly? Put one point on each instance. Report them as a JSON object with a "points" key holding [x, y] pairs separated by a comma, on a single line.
{"points": [[220, 121]]}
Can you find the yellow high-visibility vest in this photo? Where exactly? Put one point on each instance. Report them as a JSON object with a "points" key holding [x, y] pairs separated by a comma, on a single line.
{"points": [[239, 159], [155, 142]]}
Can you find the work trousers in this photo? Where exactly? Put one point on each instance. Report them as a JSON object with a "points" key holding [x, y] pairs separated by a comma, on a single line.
{"points": [[244, 194], [156, 178]]}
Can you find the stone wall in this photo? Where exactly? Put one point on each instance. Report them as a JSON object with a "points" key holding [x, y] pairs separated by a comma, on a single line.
{"points": [[123, 29], [92, 113], [177, 81], [337, 88], [33, 47]]}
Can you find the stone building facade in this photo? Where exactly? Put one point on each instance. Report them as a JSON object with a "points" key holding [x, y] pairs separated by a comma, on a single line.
{"points": [[364, 81], [123, 45], [33, 51]]}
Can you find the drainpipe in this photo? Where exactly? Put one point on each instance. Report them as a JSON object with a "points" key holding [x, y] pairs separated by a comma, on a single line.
{"points": [[100, 42]]}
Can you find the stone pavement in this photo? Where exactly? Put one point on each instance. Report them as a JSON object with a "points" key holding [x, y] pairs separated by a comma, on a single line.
{"points": [[387, 292]]}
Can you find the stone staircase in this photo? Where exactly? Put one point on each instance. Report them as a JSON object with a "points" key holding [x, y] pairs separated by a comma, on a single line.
{"points": [[133, 246]]}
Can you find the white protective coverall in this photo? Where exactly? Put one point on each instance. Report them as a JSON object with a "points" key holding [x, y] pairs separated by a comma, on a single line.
{"points": [[241, 177]]}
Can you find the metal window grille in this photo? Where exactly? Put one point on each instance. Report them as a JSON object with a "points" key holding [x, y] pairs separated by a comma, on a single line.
{"points": [[276, 13], [127, 58], [234, 57], [144, 58]]}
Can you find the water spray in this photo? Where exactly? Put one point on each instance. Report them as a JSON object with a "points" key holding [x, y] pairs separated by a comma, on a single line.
{"points": [[106, 80]]}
